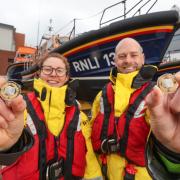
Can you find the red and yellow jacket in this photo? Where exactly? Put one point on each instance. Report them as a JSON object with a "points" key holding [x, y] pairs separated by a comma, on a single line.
{"points": [[119, 127], [60, 134]]}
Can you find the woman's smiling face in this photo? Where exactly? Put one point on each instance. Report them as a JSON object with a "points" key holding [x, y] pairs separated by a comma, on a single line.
{"points": [[54, 72]]}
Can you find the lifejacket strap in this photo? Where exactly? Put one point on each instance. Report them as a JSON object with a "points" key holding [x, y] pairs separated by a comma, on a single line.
{"points": [[70, 144], [107, 111], [104, 166], [128, 176], [129, 115], [41, 131]]}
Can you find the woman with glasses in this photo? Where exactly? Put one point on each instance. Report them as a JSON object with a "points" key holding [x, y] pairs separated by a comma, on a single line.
{"points": [[62, 147]]}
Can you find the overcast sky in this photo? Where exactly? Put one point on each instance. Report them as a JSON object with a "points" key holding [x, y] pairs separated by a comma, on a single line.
{"points": [[27, 15]]}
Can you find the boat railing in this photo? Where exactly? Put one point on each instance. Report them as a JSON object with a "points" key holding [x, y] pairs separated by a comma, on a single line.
{"points": [[135, 9], [139, 5]]}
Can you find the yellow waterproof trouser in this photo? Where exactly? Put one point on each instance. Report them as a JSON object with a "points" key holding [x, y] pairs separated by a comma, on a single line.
{"points": [[116, 165]]}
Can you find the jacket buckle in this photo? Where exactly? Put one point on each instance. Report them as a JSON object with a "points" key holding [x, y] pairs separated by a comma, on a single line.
{"points": [[109, 146], [55, 170]]}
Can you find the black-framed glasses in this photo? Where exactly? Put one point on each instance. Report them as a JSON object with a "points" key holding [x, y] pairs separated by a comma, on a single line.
{"points": [[48, 70]]}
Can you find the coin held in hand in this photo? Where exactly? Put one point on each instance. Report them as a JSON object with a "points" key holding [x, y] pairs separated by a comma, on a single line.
{"points": [[10, 90], [167, 83]]}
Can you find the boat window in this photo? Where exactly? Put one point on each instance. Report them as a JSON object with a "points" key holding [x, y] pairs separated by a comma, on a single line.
{"points": [[173, 51]]}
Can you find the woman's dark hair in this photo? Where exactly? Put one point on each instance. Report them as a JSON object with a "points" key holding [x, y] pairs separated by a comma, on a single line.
{"points": [[55, 55]]}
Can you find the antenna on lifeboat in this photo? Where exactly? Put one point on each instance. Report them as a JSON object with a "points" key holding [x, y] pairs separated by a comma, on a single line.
{"points": [[50, 27]]}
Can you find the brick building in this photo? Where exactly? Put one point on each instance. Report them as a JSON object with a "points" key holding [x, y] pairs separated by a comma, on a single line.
{"points": [[10, 40]]}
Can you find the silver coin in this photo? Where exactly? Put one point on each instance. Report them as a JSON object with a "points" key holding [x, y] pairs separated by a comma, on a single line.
{"points": [[167, 83], [10, 90]]}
